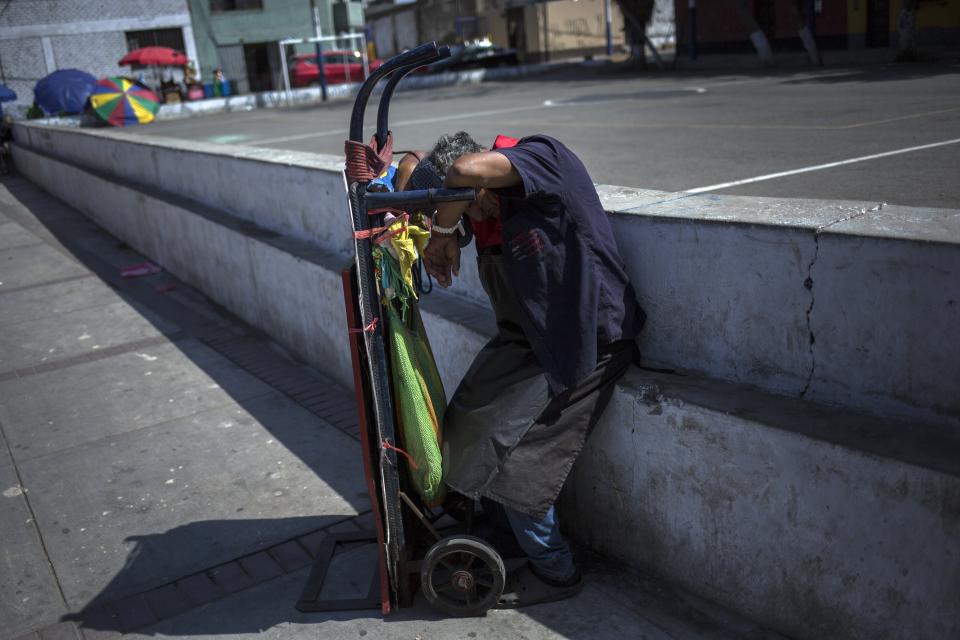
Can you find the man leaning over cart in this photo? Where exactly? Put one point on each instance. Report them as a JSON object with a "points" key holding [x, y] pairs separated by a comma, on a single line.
{"points": [[566, 318]]}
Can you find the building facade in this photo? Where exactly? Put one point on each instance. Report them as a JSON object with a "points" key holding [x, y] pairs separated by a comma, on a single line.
{"points": [[539, 31], [241, 37], [38, 37], [852, 24], [544, 31]]}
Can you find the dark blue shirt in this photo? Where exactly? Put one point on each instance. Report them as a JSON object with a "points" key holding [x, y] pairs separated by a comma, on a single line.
{"points": [[563, 262]]}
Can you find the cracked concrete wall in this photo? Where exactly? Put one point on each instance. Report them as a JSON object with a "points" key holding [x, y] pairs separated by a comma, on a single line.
{"points": [[722, 300], [842, 302], [847, 303]]}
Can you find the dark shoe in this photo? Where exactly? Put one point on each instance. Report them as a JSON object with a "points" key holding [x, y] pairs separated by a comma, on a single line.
{"points": [[524, 588]]}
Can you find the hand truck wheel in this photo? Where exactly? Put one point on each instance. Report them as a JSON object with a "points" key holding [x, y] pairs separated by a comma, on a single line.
{"points": [[462, 576]]}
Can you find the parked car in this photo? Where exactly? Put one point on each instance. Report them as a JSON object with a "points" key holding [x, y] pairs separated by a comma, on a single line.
{"points": [[475, 55], [339, 66]]}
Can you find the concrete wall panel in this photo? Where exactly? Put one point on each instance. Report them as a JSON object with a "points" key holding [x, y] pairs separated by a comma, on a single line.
{"points": [[259, 185], [722, 299], [97, 53], [454, 348], [894, 281], [840, 544], [23, 60], [301, 306]]}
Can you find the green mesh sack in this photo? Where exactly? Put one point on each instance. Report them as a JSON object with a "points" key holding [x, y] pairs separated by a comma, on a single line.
{"points": [[419, 398]]}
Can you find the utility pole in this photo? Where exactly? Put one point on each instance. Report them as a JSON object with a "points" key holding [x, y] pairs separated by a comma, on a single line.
{"points": [[692, 18], [318, 32], [546, 34], [608, 17]]}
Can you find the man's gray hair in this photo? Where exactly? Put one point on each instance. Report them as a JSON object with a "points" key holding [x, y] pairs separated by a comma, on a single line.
{"points": [[450, 147]]}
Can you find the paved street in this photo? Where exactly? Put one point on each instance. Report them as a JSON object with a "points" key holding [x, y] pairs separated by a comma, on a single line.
{"points": [[682, 130], [167, 470]]}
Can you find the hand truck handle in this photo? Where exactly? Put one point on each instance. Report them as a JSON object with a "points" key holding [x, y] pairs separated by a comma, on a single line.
{"points": [[383, 112], [424, 54], [403, 199]]}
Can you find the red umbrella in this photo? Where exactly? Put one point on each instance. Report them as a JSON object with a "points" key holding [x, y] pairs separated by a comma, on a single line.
{"points": [[149, 56]]}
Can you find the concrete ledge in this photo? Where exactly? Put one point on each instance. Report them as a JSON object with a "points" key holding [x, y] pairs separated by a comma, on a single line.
{"points": [[850, 303], [297, 194], [817, 521]]}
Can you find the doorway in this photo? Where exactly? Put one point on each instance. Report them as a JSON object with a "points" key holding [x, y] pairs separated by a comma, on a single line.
{"points": [[516, 31], [878, 23], [260, 73]]}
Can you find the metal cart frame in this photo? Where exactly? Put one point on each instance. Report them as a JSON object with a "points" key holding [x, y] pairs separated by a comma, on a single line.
{"points": [[460, 574]]}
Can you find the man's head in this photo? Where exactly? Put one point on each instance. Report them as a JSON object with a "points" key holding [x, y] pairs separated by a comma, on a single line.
{"points": [[449, 148], [430, 172]]}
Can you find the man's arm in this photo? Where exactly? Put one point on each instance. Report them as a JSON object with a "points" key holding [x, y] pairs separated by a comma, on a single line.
{"points": [[485, 170], [406, 166]]}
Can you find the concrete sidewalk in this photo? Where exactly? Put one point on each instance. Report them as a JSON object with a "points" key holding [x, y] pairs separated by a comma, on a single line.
{"points": [[166, 470]]}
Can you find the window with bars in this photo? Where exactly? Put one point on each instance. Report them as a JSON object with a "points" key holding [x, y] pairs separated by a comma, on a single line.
{"points": [[218, 6], [172, 38]]}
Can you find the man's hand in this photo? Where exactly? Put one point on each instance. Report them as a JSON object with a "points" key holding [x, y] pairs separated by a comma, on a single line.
{"points": [[440, 257]]}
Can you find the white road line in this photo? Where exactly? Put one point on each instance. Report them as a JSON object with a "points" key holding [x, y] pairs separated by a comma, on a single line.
{"points": [[911, 116], [576, 101], [818, 167], [546, 104], [789, 78], [404, 123]]}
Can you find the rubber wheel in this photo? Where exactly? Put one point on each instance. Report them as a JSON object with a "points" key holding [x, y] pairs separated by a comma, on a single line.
{"points": [[462, 576]]}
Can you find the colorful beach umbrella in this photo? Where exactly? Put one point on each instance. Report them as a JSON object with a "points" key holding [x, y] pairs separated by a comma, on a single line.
{"points": [[123, 101], [64, 91]]}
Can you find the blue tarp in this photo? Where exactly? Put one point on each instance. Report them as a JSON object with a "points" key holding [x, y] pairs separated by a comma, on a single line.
{"points": [[6, 95], [64, 91]]}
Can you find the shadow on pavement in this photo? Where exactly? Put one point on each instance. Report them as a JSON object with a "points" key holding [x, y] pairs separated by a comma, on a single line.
{"points": [[234, 489], [142, 592], [894, 71]]}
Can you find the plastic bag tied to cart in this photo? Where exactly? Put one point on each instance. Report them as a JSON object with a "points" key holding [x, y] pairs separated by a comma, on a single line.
{"points": [[418, 391]]}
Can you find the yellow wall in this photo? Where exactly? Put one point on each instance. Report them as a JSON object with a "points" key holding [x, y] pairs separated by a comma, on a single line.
{"points": [[580, 25], [574, 25], [856, 17], [931, 13]]}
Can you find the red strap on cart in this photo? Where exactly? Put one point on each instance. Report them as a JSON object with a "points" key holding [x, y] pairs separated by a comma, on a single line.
{"points": [[367, 161], [379, 235], [367, 329], [387, 446]]}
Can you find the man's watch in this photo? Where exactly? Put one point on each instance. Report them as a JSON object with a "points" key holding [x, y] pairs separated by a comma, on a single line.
{"points": [[448, 231]]}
